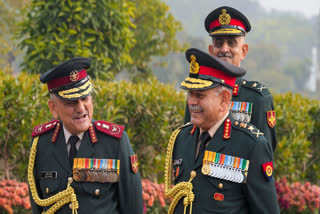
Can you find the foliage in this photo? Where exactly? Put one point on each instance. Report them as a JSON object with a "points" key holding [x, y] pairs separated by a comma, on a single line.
{"points": [[153, 197], [155, 33], [271, 48], [14, 197], [294, 158], [10, 14], [20, 101], [57, 30], [150, 111], [297, 197]]}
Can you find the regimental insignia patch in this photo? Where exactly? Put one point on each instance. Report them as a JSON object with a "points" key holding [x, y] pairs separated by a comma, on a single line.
{"points": [[271, 118], [134, 163], [267, 170]]}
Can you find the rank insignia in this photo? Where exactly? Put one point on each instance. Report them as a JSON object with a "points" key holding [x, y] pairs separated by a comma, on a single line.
{"points": [[227, 129], [267, 170], [271, 118], [193, 130], [235, 90], [177, 171], [134, 163]]}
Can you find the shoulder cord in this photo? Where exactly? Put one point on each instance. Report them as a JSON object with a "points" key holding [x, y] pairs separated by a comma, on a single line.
{"points": [[182, 189], [60, 198]]}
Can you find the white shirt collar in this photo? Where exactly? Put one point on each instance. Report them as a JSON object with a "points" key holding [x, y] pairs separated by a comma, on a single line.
{"points": [[67, 134]]}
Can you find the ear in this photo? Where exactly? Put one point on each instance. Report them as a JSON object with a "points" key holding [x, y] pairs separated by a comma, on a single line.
{"points": [[244, 50], [210, 49], [52, 107], [225, 100]]}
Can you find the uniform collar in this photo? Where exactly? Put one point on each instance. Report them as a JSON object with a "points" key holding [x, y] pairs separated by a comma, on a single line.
{"points": [[215, 127], [67, 135]]}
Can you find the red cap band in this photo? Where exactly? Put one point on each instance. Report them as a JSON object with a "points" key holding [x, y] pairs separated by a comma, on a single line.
{"points": [[229, 80], [236, 22], [55, 83]]}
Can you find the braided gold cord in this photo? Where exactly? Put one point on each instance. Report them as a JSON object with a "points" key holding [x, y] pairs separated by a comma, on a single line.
{"points": [[59, 199], [181, 189]]}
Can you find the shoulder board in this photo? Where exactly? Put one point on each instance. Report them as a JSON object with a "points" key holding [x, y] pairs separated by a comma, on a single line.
{"points": [[256, 86], [111, 129], [248, 128], [43, 128], [185, 125]]}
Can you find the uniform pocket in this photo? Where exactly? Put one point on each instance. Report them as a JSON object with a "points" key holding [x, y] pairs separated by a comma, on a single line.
{"points": [[49, 186], [97, 189]]}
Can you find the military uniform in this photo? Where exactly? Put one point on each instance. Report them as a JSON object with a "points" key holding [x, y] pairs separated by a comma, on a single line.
{"points": [[220, 195], [233, 173], [77, 164], [261, 112], [52, 169], [252, 101]]}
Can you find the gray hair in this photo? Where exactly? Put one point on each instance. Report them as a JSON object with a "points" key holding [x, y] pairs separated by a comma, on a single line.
{"points": [[222, 88]]}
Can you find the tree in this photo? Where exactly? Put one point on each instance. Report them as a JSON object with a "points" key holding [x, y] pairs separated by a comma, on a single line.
{"points": [[57, 30], [10, 14], [155, 33]]}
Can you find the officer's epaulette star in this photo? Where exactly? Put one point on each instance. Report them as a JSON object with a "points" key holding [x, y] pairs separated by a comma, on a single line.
{"points": [[256, 86], [248, 128], [111, 129], [43, 128]]}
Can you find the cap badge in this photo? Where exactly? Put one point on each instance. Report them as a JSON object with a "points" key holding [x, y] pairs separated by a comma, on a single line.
{"points": [[74, 76], [194, 66], [224, 18]]}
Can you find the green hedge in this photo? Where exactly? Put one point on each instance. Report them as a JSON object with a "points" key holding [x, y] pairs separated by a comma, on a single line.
{"points": [[150, 111], [294, 158]]}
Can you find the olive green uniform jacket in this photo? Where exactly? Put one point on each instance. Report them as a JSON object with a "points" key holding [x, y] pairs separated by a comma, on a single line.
{"points": [[262, 103], [122, 197], [257, 195]]}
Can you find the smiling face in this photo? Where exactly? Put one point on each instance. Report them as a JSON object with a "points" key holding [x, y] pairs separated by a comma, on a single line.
{"points": [[207, 107], [232, 49], [76, 115]]}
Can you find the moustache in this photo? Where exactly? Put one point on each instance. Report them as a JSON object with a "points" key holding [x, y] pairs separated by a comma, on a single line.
{"points": [[195, 108], [224, 55]]}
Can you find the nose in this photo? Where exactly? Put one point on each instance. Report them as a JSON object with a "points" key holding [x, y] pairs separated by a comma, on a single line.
{"points": [[225, 47], [191, 99], [80, 107]]}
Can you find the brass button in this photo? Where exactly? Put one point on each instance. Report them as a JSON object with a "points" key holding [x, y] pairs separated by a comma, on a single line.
{"points": [[244, 82], [220, 185], [70, 206], [47, 190], [97, 192], [236, 123]]}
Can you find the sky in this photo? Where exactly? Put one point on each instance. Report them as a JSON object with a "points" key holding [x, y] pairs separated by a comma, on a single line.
{"points": [[307, 7]]}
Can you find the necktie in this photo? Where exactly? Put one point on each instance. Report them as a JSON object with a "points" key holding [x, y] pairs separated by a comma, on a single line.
{"points": [[73, 149], [204, 138]]}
